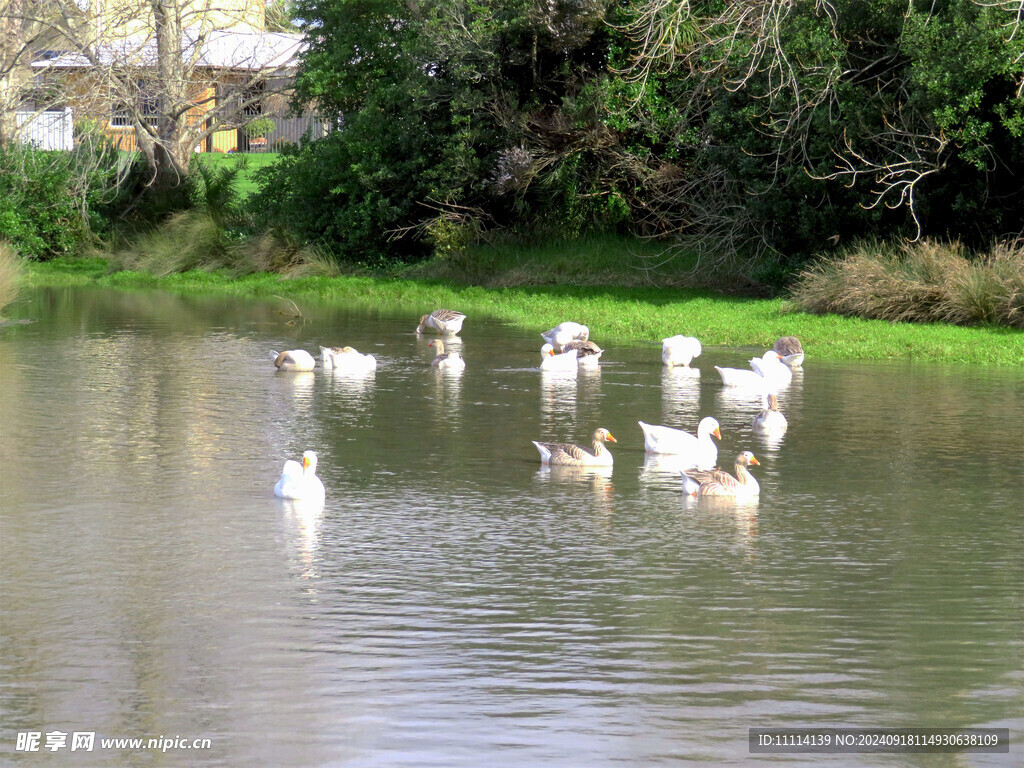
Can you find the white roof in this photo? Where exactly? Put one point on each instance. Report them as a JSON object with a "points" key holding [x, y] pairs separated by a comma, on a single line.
{"points": [[226, 49]]}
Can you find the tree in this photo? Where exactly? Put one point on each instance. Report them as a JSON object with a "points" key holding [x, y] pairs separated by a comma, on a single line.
{"points": [[171, 69], [452, 112], [793, 123], [20, 36]]}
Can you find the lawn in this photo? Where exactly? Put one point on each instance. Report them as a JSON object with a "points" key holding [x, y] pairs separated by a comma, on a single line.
{"points": [[249, 162]]}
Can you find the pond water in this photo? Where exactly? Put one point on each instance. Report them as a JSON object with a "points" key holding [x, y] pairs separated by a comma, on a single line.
{"points": [[453, 604]]}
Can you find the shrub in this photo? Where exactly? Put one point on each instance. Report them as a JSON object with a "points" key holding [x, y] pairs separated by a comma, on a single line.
{"points": [[38, 214], [50, 202], [920, 282]]}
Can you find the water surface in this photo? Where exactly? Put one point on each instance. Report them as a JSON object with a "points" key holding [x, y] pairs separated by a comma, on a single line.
{"points": [[456, 605]]}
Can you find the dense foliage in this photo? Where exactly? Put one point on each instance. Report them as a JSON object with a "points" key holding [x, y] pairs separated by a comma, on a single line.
{"points": [[763, 129], [52, 202]]}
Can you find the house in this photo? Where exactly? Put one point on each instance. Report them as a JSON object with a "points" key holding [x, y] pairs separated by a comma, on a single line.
{"points": [[226, 72]]}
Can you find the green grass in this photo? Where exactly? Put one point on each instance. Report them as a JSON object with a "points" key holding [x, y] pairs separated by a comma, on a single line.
{"points": [[598, 260], [250, 163], [615, 313]]}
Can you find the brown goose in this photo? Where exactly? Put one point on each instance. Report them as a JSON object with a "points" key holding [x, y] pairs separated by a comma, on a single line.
{"points": [[790, 350], [587, 352], [441, 321], [293, 360], [567, 454], [717, 482], [448, 361]]}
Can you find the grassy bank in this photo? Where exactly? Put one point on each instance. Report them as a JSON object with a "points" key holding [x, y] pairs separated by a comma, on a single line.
{"points": [[615, 313]]}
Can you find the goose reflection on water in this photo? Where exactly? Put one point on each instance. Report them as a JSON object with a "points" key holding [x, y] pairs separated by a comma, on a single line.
{"points": [[721, 511], [589, 385], [680, 394], [558, 398], [664, 469], [736, 405], [303, 523], [599, 479], [300, 386], [446, 404], [357, 390]]}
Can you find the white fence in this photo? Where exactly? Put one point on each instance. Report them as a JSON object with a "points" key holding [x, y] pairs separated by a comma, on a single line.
{"points": [[53, 129], [46, 130]]}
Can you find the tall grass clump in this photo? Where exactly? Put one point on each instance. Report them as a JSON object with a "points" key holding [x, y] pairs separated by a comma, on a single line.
{"points": [[10, 273], [210, 234], [198, 240], [918, 282]]}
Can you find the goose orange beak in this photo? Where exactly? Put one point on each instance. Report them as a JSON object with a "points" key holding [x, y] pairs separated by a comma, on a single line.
{"points": [[753, 460], [717, 434], [610, 439]]}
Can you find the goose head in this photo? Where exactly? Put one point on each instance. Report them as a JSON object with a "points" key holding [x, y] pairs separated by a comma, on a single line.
{"points": [[709, 426], [309, 462], [746, 458]]}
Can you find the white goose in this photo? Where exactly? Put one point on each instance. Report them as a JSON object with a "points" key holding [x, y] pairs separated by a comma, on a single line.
{"points": [[567, 454], [565, 332], [679, 350], [441, 321], [770, 420], [771, 367], [566, 362], [346, 360], [790, 350], [742, 378], [293, 360], [588, 354], [716, 482], [299, 481], [446, 361], [697, 451]]}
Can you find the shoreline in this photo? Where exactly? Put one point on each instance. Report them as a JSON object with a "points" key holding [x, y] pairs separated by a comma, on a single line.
{"points": [[623, 314]]}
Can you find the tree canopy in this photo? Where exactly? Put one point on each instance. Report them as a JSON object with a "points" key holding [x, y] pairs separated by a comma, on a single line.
{"points": [[763, 130]]}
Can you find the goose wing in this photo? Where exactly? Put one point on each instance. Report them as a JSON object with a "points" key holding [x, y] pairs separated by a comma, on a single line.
{"points": [[563, 451]]}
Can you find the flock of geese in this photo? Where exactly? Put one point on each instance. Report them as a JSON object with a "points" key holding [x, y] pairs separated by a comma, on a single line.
{"points": [[567, 347]]}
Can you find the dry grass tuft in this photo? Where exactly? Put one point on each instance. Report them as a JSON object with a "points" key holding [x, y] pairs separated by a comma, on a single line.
{"points": [[11, 267], [194, 240], [273, 252], [919, 282]]}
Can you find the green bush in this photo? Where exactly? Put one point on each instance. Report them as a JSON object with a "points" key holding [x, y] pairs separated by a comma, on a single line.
{"points": [[50, 202], [39, 214], [351, 191]]}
